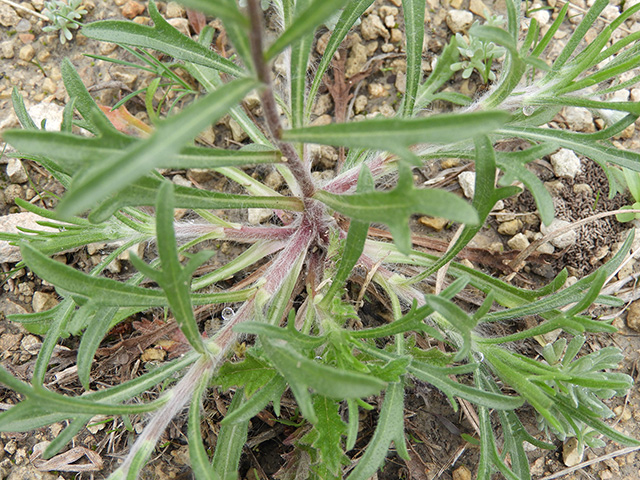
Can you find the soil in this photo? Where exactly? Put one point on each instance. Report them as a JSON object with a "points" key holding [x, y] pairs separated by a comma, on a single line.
{"points": [[374, 67]]}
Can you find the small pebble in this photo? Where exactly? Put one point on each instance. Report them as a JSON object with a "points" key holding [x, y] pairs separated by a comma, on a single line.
{"points": [[461, 473], [510, 228], [175, 10], [518, 242], [435, 223], [560, 241], [43, 301], [377, 90], [459, 21], [153, 355], [571, 452], [467, 181], [16, 172], [565, 163], [27, 53], [132, 9], [633, 316], [372, 28]]}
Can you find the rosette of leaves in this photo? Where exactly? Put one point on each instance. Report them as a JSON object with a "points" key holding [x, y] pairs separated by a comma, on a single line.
{"points": [[63, 16], [478, 54], [292, 284]]}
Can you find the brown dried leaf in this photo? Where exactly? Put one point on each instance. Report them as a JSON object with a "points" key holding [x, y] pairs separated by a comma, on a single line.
{"points": [[64, 462], [197, 20]]}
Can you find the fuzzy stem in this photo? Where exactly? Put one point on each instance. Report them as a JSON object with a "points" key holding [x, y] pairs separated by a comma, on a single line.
{"points": [[294, 162]]}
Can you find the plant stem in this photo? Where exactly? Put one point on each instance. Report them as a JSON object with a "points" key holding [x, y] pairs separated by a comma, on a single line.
{"points": [[295, 164], [24, 9]]}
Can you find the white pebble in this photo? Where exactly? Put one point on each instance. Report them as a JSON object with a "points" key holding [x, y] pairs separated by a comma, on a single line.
{"points": [[565, 163]]}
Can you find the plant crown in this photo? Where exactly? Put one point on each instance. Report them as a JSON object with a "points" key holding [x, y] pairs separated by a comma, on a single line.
{"points": [[307, 330]]}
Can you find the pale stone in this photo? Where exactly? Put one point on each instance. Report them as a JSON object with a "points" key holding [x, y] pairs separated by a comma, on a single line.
{"points": [[9, 224], [322, 120], [546, 247], [572, 452], [51, 112], [237, 132], [560, 241], [372, 28], [459, 21], [610, 12], [43, 301], [180, 24], [16, 171], [49, 86], [255, 216], [435, 223], [582, 188], [467, 181], [510, 228], [377, 90], [360, 104], [181, 181], [8, 16], [153, 355], [175, 10], [633, 316], [565, 163], [7, 49], [518, 242], [31, 344], [323, 104], [27, 53], [132, 9], [390, 21], [356, 60], [541, 16], [461, 473], [479, 8], [579, 119]]}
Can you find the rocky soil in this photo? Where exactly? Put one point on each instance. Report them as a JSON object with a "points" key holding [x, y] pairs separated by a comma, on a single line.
{"points": [[365, 82]]}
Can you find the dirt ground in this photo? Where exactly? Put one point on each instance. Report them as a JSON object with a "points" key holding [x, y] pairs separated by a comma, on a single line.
{"points": [[374, 63]]}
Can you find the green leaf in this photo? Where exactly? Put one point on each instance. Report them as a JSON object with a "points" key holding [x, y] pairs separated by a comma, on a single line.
{"points": [[394, 207], [579, 143], [231, 440], [21, 112], [395, 135], [455, 316], [302, 373], [73, 152], [271, 392], [143, 192], [326, 434], [252, 374], [441, 74], [390, 428], [162, 37], [96, 330], [117, 172], [102, 291], [287, 334], [413, 12], [354, 243], [305, 22], [198, 457]]}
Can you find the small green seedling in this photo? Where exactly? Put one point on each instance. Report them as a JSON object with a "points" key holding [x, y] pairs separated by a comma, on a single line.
{"points": [[64, 17], [479, 53], [632, 180]]}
